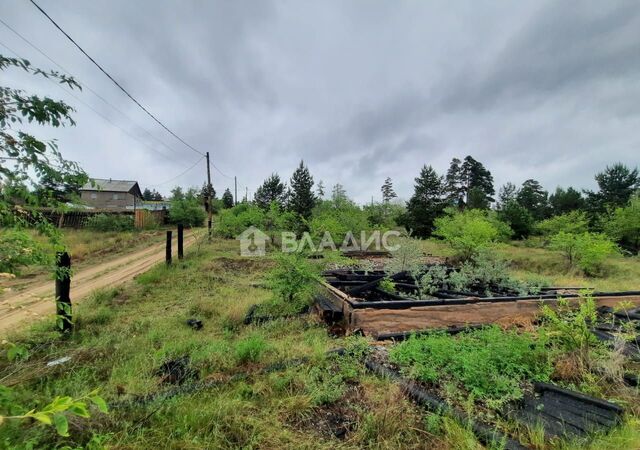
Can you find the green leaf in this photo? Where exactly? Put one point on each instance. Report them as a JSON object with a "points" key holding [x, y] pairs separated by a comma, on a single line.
{"points": [[62, 424], [100, 403], [42, 417], [79, 409]]}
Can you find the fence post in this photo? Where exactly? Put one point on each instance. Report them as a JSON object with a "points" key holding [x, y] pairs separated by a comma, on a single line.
{"points": [[63, 288], [168, 253], [180, 241]]}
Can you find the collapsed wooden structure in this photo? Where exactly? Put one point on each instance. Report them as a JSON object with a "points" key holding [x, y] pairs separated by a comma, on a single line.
{"points": [[354, 300]]}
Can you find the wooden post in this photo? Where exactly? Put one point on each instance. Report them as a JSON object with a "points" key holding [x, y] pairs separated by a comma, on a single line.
{"points": [[180, 241], [235, 190], [168, 252], [63, 290]]}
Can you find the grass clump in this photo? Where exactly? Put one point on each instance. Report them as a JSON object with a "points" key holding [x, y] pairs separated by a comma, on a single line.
{"points": [[250, 349], [490, 364]]}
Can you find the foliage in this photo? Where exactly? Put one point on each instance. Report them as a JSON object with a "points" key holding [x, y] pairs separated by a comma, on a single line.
{"points": [[563, 201], [293, 280], [572, 222], [490, 364], [302, 199], [470, 231], [624, 225], [586, 251], [233, 221], [385, 215], [186, 209], [387, 285], [426, 203], [519, 219], [387, 191], [110, 222], [151, 195], [18, 249], [227, 199], [29, 158], [533, 198], [250, 349], [569, 328], [271, 191], [616, 185], [337, 219], [55, 413], [407, 257]]}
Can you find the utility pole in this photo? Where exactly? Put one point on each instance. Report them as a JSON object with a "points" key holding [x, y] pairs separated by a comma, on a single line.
{"points": [[235, 190], [209, 199], [246, 194]]}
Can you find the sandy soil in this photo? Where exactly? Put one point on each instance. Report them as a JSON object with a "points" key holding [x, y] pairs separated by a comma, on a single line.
{"points": [[20, 308]]}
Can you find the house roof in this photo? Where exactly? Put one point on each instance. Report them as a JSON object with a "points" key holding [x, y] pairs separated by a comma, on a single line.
{"points": [[100, 184]]}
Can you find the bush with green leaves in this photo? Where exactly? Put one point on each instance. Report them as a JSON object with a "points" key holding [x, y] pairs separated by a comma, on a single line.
{"points": [[293, 281], [623, 225], [337, 221], [233, 221], [490, 364], [110, 222], [470, 231], [19, 249], [575, 222], [585, 251], [188, 212]]}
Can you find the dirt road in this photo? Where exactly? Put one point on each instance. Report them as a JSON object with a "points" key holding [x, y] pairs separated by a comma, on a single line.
{"points": [[19, 308]]}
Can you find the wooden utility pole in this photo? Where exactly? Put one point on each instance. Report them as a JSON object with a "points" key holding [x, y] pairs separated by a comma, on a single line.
{"points": [[63, 288], [209, 199], [235, 190]]}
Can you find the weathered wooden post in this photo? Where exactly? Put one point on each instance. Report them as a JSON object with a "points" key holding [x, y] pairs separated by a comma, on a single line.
{"points": [[168, 253], [63, 290], [180, 241]]}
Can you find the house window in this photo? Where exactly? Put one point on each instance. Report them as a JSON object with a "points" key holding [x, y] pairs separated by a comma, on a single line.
{"points": [[115, 196], [94, 195]]}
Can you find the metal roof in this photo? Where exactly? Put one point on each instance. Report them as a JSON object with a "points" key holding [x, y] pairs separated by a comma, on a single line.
{"points": [[110, 185]]}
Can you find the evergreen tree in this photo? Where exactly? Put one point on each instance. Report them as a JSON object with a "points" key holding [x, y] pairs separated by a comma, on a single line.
{"points": [[157, 196], [507, 193], [272, 190], [453, 184], [517, 217], [302, 199], [387, 191], [204, 190], [616, 185], [475, 176], [339, 197], [533, 198], [320, 190], [564, 201], [147, 194], [227, 199], [426, 203]]}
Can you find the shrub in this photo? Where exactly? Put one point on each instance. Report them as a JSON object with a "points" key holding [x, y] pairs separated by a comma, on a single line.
{"points": [[110, 222], [293, 280], [586, 251], [338, 221], [470, 231], [19, 249], [573, 222], [233, 221], [518, 218], [624, 225], [188, 212], [489, 363]]}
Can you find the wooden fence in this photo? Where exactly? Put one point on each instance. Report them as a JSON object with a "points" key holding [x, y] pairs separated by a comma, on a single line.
{"points": [[78, 218]]}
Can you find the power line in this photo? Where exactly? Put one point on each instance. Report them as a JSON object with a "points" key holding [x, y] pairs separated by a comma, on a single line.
{"points": [[35, 47], [177, 176], [114, 81], [69, 92]]}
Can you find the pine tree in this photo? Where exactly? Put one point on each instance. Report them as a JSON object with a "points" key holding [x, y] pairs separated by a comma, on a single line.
{"points": [[533, 198], [387, 191], [272, 190], [227, 199], [302, 199], [453, 184], [506, 194], [563, 201], [475, 176], [157, 196], [426, 203], [147, 194], [616, 185], [320, 190]]}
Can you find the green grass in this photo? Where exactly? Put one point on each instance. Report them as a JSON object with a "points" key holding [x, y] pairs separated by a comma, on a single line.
{"points": [[123, 335]]}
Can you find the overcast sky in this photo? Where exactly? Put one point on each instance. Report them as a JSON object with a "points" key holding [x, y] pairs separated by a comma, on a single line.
{"points": [[360, 90]]}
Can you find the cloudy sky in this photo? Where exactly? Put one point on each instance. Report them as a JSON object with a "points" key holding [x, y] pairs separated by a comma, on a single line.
{"points": [[360, 90]]}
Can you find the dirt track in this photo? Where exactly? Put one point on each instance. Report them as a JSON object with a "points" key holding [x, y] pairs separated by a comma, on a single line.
{"points": [[38, 300]]}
